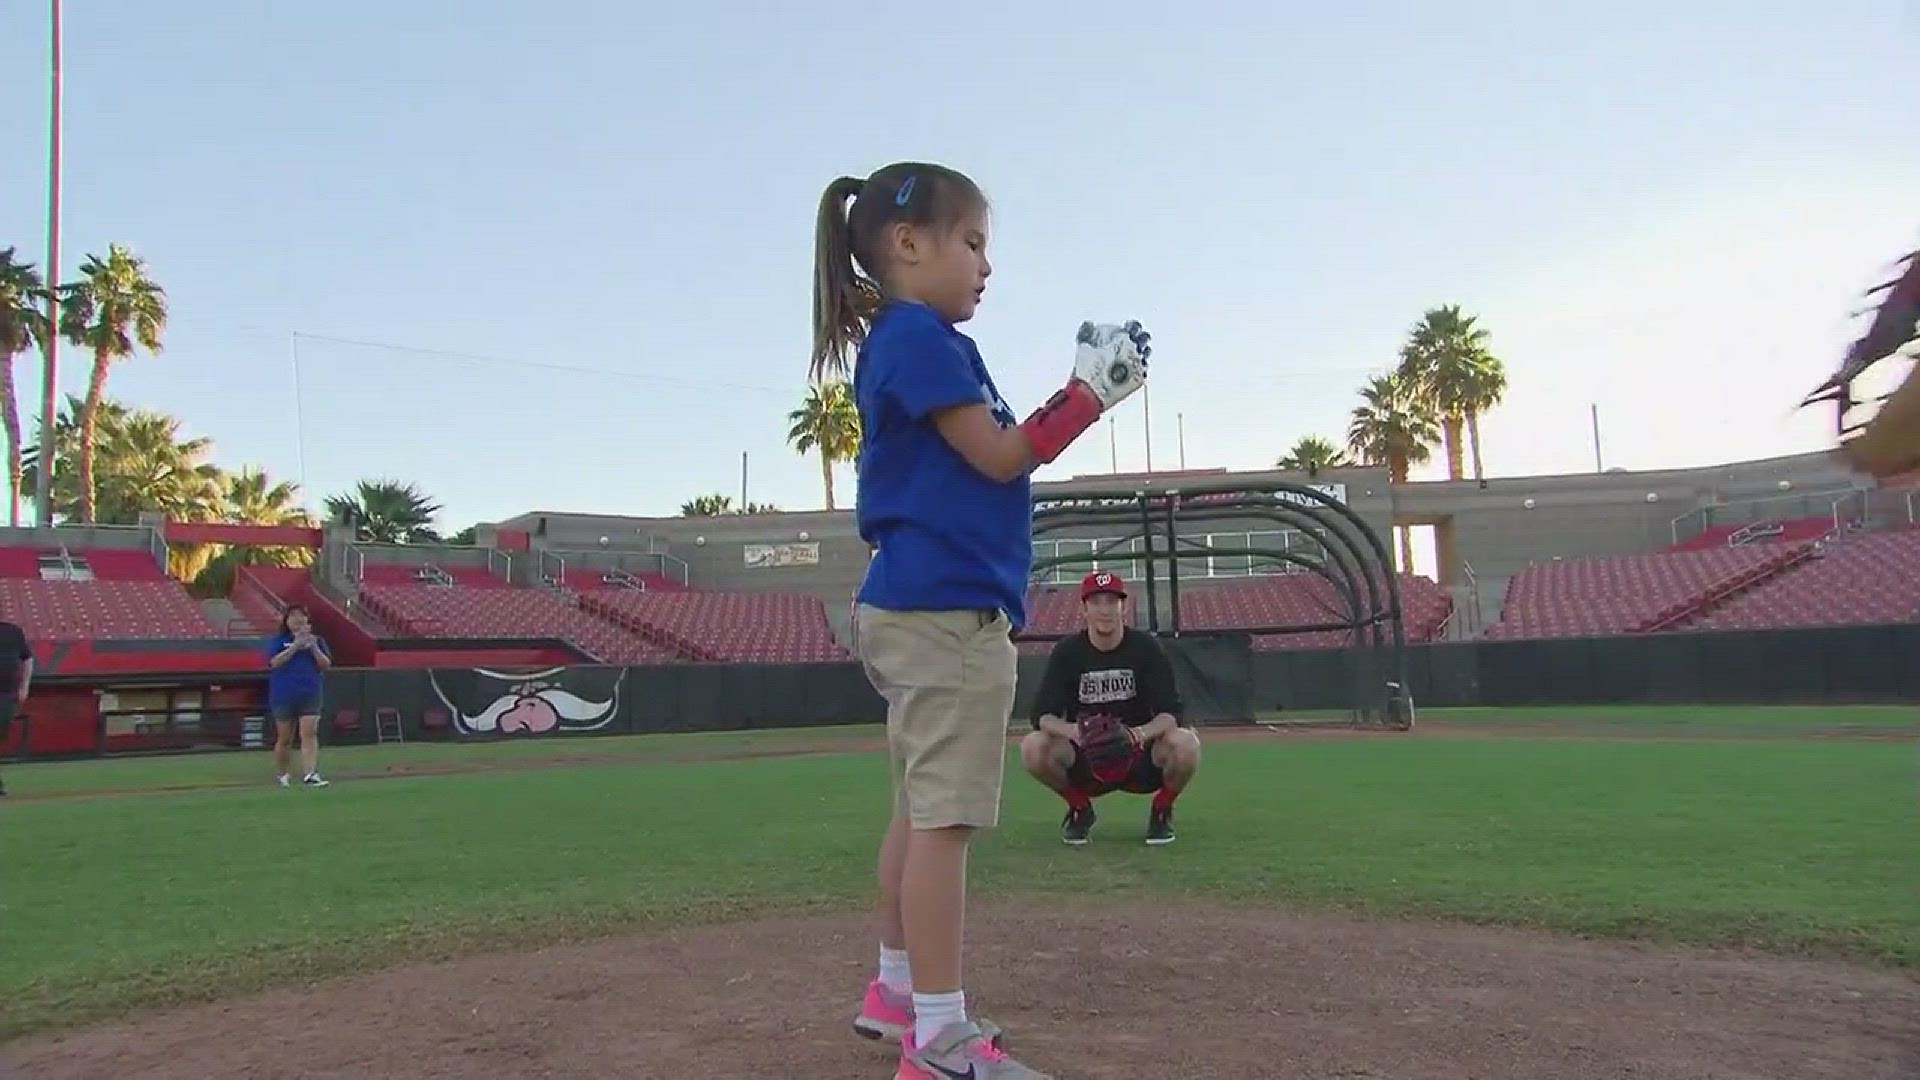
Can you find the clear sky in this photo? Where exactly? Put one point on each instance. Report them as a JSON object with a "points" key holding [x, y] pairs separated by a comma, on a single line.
{"points": [[1665, 209]]}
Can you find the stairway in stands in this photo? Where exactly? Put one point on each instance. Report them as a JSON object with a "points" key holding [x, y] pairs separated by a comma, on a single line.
{"points": [[1857, 578]]}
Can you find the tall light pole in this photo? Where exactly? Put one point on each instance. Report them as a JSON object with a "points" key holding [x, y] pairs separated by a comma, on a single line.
{"points": [[50, 374], [1146, 419]]}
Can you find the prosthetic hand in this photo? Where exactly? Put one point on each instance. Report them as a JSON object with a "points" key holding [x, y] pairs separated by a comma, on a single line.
{"points": [[1109, 364]]}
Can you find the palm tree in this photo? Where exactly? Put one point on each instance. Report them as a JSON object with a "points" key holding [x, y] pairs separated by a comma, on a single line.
{"points": [[113, 308], [142, 464], [1447, 357], [1482, 388], [386, 512], [1395, 427], [1311, 454], [1392, 427], [23, 324], [252, 498], [829, 422], [718, 505]]}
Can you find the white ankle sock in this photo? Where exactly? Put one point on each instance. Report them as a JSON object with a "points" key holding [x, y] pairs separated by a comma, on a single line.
{"points": [[931, 1012], [895, 972]]}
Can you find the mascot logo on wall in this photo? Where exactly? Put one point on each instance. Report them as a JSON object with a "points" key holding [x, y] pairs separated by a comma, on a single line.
{"points": [[531, 703]]}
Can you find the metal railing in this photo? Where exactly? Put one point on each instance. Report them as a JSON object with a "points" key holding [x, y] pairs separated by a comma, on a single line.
{"points": [[553, 562], [1849, 511], [507, 573], [1476, 615], [685, 577], [86, 536], [1753, 510], [552, 568], [1240, 559], [244, 578], [157, 544]]}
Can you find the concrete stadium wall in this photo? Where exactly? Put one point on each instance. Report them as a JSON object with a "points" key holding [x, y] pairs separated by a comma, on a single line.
{"points": [[713, 548], [78, 537], [444, 555], [1487, 526], [1609, 513]]}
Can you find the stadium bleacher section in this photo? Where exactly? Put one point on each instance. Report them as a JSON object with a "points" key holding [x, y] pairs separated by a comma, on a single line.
{"points": [[1629, 594], [1852, 579], [737, 627], [1252, 603], [1791, 572], [1800, 572], [1792, 530], [467, 602], [100, 595]]}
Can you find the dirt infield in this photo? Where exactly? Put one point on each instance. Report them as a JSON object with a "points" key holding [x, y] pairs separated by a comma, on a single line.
{"points": [[1163, 991]]}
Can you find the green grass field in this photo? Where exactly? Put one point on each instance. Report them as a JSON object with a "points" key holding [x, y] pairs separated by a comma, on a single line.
{"points": [[150, 881]]}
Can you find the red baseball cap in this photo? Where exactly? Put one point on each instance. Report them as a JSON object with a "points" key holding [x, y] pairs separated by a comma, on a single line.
{"points": [[1102, 581]]}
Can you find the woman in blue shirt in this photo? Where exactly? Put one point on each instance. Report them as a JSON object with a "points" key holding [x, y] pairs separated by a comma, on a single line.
{"points": [[945, 501], [295, 659]]}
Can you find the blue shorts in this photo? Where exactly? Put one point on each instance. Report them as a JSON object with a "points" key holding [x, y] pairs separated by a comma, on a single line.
{"points": [[287, 710]]}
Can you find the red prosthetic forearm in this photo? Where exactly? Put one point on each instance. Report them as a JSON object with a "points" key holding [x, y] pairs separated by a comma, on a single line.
{"points": [[1066, 415]]}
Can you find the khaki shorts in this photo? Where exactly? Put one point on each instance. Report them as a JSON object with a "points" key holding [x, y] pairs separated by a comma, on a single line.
{"points": [[948, 678]]}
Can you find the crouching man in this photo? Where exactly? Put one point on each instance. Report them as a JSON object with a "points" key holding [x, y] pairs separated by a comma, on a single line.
{"points": [[1110, 668]]}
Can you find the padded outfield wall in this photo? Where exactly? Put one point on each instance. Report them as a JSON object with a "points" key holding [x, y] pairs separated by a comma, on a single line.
{"points": [[1223, 680]]}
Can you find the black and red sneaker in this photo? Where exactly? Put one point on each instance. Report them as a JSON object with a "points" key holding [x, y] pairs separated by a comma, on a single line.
{"points": [[1160, 827], [1078, 825]]}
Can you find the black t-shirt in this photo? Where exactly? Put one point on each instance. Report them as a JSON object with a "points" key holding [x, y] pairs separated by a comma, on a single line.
{"points": [[1133, 682], [14, 651]]}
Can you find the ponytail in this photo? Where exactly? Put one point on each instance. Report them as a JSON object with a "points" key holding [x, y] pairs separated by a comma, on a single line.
{"points": [[849, 248], [844, 299]]}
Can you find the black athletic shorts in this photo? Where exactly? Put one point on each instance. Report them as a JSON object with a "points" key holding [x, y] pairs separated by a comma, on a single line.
{"points": [[9, 704], [1145, 779], [290, 709]]}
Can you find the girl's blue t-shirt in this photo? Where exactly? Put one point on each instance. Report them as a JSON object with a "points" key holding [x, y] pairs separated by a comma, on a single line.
{"points": [[299, 677], [948, 537]]}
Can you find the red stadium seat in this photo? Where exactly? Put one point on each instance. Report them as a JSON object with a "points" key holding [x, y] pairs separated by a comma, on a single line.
{"points": [[129, 598], [786, 628], [1620, 595], [1862, 578], [484, 611], [1251, 603]]}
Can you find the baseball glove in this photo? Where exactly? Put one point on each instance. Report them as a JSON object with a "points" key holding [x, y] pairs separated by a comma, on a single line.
{"points": [[1109, 747], [1887, 443]]}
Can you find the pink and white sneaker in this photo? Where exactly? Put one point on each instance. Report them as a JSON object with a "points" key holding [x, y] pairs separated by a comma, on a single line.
{"points": [[885, 1014], [967, 1051]]}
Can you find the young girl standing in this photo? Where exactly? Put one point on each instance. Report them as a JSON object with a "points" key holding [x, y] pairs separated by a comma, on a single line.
{"points": [[945, 501], [295, 659]]}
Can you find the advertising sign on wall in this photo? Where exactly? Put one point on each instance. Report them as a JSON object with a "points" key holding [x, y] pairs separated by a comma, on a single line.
{"points": [[768, 556]]}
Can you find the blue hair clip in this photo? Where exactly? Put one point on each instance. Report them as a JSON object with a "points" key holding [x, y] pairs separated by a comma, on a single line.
{"points": [[905, 194]]}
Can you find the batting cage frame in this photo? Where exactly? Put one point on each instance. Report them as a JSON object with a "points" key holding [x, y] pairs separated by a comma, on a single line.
{"points": [[1342, 550]]}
